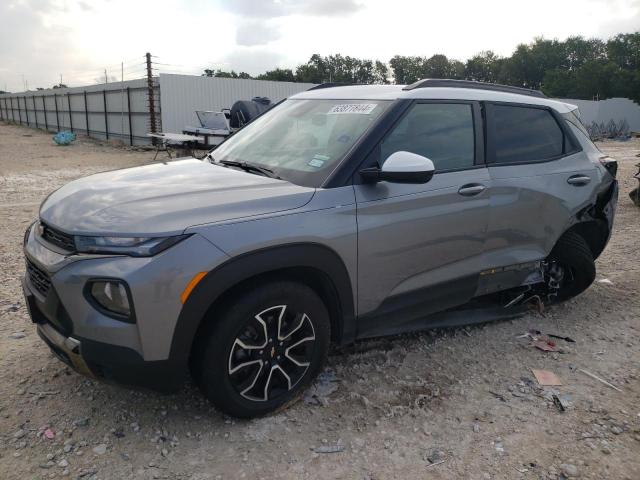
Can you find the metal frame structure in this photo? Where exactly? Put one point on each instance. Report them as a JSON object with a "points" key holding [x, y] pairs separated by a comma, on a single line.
{"points": [[12, 111]]}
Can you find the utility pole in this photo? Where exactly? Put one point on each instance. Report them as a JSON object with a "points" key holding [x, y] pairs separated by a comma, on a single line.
{"points": [[106, 80], [61, 80], [152, 107], [122, 98]]}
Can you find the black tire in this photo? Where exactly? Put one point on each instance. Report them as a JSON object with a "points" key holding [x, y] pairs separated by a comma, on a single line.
{"points": [[574, 255], [235, 335]]}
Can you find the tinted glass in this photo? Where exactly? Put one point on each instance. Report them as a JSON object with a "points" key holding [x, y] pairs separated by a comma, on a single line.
{"points": [[525, 134], [302, 141], [440, 132]]}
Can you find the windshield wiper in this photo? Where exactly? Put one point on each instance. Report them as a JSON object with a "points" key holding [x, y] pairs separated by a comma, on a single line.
{"points": [[249, 167]]}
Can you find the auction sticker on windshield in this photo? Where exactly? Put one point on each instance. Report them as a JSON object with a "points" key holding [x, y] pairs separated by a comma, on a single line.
{"points": [[357, 108]]}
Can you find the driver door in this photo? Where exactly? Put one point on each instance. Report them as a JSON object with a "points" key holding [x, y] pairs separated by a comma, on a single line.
{"points": [[420, 245]]}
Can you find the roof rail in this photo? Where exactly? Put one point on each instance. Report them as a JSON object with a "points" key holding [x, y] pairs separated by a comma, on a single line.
{"points": [[331, 85], [443, 82]]}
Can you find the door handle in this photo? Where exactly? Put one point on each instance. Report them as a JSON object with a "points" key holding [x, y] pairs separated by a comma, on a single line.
{"points": [[471, 189], [578, 180]]}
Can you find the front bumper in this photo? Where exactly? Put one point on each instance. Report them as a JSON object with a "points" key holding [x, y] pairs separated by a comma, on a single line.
{"points": [[98, 345], [101, 360]]}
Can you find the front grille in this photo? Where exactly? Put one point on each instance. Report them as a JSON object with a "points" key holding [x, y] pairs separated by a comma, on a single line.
{"points": [[39, 278], [59, 239]]}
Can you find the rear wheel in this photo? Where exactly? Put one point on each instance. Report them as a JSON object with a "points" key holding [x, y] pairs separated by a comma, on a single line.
{"points": [[571, 267], [264, 349]]}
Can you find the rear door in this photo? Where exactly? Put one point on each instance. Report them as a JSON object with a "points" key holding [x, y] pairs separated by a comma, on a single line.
{"points": [[540, 178], [419, 245]]}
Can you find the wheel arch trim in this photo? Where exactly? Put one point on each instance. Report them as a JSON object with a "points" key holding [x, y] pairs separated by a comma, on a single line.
{"points": [[263, 261], [594, 222]]}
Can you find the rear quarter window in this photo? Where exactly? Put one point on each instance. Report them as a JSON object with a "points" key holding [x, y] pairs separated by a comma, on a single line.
{"points": [[524, 134]]}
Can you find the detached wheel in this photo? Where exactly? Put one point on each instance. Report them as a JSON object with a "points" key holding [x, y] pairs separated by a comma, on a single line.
{"points": [[571, 266], [264, 349]]}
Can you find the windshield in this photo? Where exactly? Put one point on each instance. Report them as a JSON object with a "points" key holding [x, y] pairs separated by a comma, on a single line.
{"points": [[302, 141]]}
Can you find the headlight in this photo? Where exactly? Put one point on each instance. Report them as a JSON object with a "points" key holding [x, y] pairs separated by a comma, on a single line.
{"points": [[134, 246], [26, 233], [111, 295]]}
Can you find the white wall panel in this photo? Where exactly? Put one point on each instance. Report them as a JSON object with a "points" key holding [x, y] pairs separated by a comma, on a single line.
{"points": [[602, 111], [182, 95]]}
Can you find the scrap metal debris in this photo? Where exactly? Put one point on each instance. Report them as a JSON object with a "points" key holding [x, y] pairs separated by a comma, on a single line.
{"points": [[566, 339], [558, 403], [329, 449], [498, 396], [545, 345], [634, 194], [546, 378], [613, 130], [543, 341], [595, 377], [325, 385]]}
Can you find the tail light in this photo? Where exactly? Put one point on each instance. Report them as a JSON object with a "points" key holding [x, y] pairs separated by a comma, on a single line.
{"points": [[610, 164]]}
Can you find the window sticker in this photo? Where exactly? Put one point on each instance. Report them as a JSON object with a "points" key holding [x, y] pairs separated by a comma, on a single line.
{"points": [[352, 108], [318, 160]]}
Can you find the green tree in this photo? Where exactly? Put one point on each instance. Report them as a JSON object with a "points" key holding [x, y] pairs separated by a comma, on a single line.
{"points": [[483, 67], [380, 72], [278, 75], [624, 50], [578, 51], [407, 70], [560, 83], [342, 69], [573, 68], [222, 74], [529, 63]]}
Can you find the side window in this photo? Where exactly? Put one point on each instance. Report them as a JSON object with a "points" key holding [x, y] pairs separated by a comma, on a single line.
{"points": [[442, 132], [523, 134]]}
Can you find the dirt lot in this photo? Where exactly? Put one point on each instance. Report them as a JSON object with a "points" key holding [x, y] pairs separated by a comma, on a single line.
{"points": [[459, 404]]}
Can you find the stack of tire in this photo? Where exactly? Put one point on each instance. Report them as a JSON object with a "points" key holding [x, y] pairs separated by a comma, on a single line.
{"points": [[243, 111]]}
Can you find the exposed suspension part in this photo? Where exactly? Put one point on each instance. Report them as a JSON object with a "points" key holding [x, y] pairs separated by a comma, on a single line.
{"points": [[541, 287]]}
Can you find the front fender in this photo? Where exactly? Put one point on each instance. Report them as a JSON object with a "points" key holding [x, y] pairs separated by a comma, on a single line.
{"points": [[243, 267]]}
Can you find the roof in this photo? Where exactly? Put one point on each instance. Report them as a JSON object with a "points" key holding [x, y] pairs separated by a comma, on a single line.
{"points": [[393, 92]]}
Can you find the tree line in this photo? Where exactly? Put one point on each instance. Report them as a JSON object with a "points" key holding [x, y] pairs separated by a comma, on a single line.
{"points": [[573, 68]]}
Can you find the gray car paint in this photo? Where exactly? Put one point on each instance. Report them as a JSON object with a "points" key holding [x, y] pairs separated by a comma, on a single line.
{"points": [[164, 199], [328, 219], [157, 303], [412, 237], [392, 238], [531, 206]]}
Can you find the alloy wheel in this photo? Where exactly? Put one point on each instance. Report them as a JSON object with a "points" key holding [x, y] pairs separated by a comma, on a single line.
{"points": [[271, 354]]}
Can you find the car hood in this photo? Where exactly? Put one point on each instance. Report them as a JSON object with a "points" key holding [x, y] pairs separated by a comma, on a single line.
{"points": [[164, 199]]}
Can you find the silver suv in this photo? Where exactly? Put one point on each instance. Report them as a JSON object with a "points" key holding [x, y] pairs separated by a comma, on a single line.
{"points": [[341, 213]]}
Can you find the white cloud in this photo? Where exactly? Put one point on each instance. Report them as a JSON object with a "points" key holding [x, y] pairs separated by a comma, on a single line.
{"points": [[251, 60], [256, 32], [41, 39], [281, 8]]}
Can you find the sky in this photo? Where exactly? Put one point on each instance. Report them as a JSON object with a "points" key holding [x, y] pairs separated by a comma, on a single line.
{"points": [[40, 40]]}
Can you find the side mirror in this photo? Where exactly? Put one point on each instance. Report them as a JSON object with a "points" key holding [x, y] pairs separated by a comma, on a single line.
{"points": [[401, 167]]}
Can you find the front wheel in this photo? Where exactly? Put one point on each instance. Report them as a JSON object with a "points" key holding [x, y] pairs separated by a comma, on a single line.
{"points": [[571, 267], [264, 348]]}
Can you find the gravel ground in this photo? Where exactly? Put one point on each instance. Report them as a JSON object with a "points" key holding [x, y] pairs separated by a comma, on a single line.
{"points": [[454, 404]]}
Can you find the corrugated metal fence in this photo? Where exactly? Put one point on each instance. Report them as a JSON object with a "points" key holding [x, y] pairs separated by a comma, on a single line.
{"points": [[107, 111], [121, 110], [603, 111]]}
